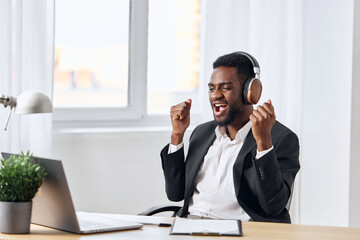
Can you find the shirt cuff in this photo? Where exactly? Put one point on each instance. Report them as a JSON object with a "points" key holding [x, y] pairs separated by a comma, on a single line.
{"points": [[174, 148], [262, 153]]}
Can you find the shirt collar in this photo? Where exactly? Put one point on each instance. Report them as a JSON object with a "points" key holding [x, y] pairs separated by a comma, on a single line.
{"points": [[220, 132]]}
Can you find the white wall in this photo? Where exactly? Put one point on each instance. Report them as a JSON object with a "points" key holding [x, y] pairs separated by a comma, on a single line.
{"points": [[115, 172], [354, 206]]}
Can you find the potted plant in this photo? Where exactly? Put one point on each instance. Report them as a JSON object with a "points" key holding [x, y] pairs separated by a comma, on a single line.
{"points": [[20, 178]]}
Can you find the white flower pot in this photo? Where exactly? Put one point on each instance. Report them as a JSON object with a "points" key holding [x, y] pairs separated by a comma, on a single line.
{"points": [[15, 217]]}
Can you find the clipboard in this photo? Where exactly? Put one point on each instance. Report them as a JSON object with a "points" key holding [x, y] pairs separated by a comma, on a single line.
{"points": [[206, 227]]}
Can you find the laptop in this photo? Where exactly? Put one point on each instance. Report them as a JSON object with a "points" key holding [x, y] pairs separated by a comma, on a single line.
{"points": [[53, 206]]}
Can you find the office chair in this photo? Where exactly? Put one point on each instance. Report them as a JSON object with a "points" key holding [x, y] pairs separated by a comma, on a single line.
{"points": [[161, 208], [175, 209], [290, 197], [170, 208]]}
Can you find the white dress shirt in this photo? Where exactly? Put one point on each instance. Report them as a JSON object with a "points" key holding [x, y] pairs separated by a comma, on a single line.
{"points": [[214, 191]]}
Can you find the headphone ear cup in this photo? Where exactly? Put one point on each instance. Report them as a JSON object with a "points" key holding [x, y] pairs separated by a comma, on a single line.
{"points": [[252, 91], [245, 91]]}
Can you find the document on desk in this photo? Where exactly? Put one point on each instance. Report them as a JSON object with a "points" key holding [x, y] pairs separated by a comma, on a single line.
{"points": [[206, 227]]}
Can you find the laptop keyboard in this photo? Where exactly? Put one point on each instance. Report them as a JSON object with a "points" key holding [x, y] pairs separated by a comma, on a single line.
{"points": [[93, 222], [88, 225]]}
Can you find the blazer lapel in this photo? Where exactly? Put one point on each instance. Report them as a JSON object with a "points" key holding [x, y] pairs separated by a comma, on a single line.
{"points": [[248, 146]]}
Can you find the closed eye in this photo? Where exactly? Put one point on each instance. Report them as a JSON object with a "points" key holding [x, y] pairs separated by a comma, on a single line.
{"points": [[226, 86]]}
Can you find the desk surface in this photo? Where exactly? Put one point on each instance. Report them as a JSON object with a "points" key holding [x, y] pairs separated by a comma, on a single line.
{"points": [[251, 230]]}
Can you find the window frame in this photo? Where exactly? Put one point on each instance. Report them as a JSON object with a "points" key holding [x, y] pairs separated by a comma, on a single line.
{"points": [[134, 117], [137, 78]]}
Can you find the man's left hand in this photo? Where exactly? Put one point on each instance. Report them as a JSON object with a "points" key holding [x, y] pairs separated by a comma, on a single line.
{"points": [[262, 120]]}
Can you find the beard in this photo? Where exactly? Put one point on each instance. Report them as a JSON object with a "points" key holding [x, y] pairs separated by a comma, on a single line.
{"points": [[233, 113]]}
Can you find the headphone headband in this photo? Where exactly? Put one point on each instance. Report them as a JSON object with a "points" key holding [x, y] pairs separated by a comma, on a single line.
{"points": [[254, 62]]}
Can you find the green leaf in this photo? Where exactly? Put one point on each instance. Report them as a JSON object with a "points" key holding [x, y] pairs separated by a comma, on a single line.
{"points": [[20, 178]]}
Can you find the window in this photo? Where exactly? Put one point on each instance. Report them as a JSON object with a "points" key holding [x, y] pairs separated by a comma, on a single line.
{"points": [[173, 54], [108, 57], [91, 53], [122, 60]]}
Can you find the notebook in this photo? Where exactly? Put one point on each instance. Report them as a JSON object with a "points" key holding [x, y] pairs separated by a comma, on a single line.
{"points": [[53, 206], [206, 227]]}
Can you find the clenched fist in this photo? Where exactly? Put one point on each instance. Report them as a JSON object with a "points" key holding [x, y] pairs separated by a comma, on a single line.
{"points": [[262, 120], [180, 120]]}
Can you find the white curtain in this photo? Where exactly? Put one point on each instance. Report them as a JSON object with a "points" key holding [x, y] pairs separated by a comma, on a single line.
{"points": [[272, 32], [26, 60]]}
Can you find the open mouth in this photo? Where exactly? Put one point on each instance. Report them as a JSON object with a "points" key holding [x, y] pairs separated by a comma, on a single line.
{"points": [[219, 108]]}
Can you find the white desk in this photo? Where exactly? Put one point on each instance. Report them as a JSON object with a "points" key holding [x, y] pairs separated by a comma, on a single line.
{"points": [[251, 230]]}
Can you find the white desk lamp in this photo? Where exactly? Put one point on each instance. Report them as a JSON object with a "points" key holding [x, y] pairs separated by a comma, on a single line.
{"points": [[28, 102]]}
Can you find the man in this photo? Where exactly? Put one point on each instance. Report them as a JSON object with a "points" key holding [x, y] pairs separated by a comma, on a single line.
{"points": [[240, 166]]}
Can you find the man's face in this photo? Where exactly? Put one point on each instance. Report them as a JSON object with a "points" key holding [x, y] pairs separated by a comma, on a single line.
{"points": [[225, 95]]}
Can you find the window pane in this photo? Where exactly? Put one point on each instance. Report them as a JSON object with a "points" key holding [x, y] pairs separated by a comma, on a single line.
{"points": [[173, 53], [91, 53]]}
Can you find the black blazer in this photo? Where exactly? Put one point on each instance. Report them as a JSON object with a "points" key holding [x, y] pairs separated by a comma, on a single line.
{"points": [[262, 186]]}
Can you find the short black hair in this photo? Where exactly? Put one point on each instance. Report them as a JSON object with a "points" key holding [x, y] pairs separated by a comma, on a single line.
{"points": [[243, 65]]}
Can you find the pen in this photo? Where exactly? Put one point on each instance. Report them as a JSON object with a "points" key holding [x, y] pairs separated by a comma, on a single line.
{"points": [[205, 233], [164, 225], [159, 224]]}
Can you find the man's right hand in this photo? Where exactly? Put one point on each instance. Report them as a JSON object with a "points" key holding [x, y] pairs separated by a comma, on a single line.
{"points": [[180, 120]]}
